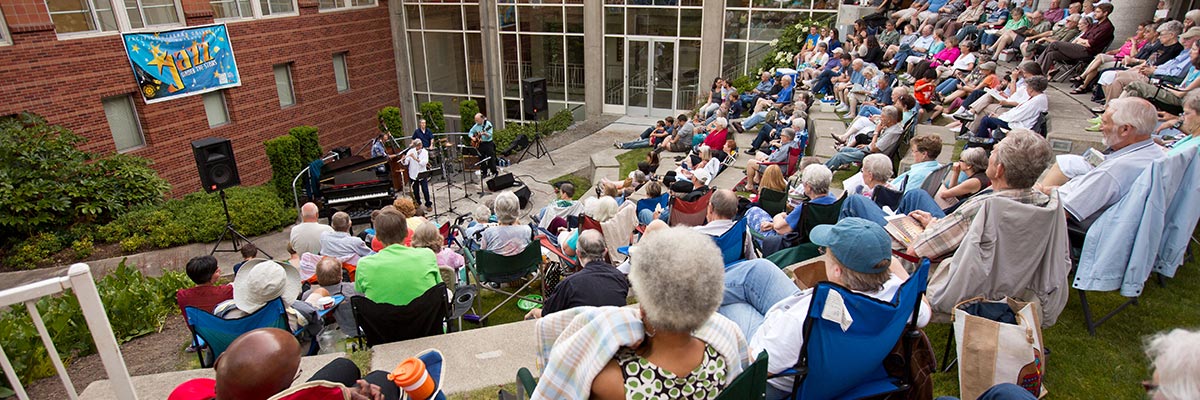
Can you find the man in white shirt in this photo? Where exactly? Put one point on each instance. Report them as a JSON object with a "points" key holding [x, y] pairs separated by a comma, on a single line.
{"points": [[1024, 115], [859, 257], [919, 48], [417, 160], [722, 207], [306, 236]]}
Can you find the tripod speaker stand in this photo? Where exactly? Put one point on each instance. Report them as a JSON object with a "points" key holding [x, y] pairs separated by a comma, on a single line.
{"points": [[234, 236]]}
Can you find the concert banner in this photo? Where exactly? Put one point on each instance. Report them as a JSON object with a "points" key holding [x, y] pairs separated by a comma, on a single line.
{"points": [[181, 62]]}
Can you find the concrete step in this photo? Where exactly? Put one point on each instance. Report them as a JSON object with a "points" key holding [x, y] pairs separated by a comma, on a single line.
{"points": [[159, 386], [475, 359]]}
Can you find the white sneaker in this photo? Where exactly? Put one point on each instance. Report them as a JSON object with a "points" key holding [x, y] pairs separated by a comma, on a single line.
{"points": [[842, 108], [810, 82]]}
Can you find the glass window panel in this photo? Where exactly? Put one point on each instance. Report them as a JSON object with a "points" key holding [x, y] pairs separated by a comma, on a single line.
{"points": [[451, 74], [471, 17], [692, 3], [825, 5], [362, 3], [574, 18], [270, 7], [449, 103], [737, 3], [244, 8], [543, 57], [475, 64], [689, 73], [755, 52], [540, 18], [736, 23], [56, 6], [104, 12], [733, 61], [160, 12], [767, 25], [614, 20], [442, 17], [511, 64], [135, 16], [575, 68], [416, 49], [214, 108], [572, 1], [797, 4], [330, 4], [512, 110], [614, 70], [412, 16], [340, 75], [507, 18], [653, 21], [73, 22], [689, 22], [123, 122], [617, 2], [639, 73], [824, 19], [283, 85]]}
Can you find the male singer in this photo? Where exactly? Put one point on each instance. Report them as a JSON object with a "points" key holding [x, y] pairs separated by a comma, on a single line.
{"points": [[487, 149], [417, 160]]}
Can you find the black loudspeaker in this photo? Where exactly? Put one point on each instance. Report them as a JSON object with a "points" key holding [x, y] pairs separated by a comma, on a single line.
{"points": [[214, 160], [501, 182], [535, 95], [523, 195]]}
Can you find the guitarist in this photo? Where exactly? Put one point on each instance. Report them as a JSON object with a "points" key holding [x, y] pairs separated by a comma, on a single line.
{"points": [[481, 138]]}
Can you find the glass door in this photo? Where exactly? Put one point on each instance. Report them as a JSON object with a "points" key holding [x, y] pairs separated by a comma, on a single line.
{"points": [[652, 80]]}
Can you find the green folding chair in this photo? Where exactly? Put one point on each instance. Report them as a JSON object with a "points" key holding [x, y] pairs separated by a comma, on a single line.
{"points": [[771, 201], [490, 268]]}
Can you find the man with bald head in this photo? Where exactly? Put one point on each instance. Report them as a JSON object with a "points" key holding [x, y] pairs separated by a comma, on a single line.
{"points": [[597, 284], [722, 207], [482, 131], [306, 236], [265, 362]]}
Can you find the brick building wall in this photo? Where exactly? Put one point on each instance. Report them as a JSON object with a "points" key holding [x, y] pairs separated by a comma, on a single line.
{"points": [[65, 80]]}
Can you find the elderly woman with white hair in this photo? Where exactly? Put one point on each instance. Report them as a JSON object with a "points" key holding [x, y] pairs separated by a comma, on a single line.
{"points": [[876, 171], [600, 209], [815, 180], [673, 344], [972, 163], [508, 237]]}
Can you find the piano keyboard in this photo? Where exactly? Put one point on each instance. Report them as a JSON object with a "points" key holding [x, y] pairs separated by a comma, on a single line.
{"points": [[357, 198]]}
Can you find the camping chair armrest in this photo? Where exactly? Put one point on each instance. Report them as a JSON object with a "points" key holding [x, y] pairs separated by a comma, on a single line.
{"points": [[795, 371], [904, 256]]}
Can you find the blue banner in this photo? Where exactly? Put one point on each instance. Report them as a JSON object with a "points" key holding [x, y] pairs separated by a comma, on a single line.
{"points": [[182, 62]]}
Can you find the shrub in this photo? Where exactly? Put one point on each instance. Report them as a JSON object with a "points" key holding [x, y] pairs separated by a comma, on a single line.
{"points": [[743, 84], [467, 109], [434, 119], [390, 118], [310, 147], [560, 121], [36, 162], [135, 304], [35, 250], [284, 155], [198, 217], [82, 247], [504, 137]]}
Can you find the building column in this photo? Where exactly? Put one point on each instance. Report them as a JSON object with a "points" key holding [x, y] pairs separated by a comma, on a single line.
{"points": [[493, 86], [408, 109], [711, 42], [593, 55], [1126, 16]]}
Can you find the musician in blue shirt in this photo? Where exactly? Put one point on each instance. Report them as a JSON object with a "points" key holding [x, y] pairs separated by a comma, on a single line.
{"points": [[423, 134], [487, 149]]}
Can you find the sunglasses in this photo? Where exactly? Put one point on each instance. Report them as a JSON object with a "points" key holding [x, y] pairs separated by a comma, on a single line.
{"points": [[1151, 388]]}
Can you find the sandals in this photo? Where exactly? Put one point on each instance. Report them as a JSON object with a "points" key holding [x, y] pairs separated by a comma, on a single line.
{"points": [[1080, 90]]}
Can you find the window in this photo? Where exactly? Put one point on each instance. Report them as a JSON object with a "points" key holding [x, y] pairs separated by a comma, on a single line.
{"points": [[123, 121], [273, 7], [231, 9], [78, 16], [283, 84], [214, 107], [339, 72], [336, 4], [4, 39]]}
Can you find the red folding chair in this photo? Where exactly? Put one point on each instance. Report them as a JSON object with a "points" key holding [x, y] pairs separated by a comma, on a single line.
{"points": [[689, 213]]}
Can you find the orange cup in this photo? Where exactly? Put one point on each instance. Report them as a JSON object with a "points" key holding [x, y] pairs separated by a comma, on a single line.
{"points": [[412, 377]]}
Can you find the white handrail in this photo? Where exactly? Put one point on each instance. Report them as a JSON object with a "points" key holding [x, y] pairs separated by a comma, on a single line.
{"points": [[79, 277]]}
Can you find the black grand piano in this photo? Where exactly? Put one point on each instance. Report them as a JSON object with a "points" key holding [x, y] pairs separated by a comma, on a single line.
{"points": [[358, 185]]}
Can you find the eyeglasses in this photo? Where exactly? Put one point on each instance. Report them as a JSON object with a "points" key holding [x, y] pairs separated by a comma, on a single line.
{"points": [[822, 250]]}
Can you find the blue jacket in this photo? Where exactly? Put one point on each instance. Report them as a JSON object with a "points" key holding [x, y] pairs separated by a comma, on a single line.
{"points": [[1148, 229]]}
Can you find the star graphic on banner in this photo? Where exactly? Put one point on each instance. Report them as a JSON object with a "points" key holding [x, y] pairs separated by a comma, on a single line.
{"points": [[216, 75], [160, 61], [221, 38], [135, 48], [155, 50]]}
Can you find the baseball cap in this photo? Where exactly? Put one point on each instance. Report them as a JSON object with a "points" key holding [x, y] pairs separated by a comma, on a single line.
{"points": [[857, 243], [1191, 33], [990, 66], [681, 187]]}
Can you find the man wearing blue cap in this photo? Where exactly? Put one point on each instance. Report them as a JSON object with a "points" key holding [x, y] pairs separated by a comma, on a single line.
{"points": [[858, 256]]}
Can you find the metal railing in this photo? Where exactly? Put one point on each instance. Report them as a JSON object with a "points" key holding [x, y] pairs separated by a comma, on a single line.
{"points": [[79, 278]]}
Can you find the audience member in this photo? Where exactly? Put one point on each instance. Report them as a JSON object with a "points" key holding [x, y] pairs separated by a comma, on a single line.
{"points": [[815, 180], [1088, 45], [481, 218], [876, 171], [924, 150], [449, 262], [772, 179], [264, 281], [249, 252], [398, 273], [1024, 115], [508, 237], [754, 167], [972, 163], [885, 139], [339, 244], [329, 278], [1185, 128], [722, 208], [208, 292], [306, 236], [597, 284]]}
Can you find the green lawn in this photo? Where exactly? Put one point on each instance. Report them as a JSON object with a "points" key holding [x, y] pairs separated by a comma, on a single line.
{"points": [[630, 159], [582, 184]]}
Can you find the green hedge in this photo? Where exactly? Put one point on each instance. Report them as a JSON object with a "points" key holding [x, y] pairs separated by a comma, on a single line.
{"points": [[467, 110], [560, 121], [390, 118], [435, 120], [198, 218], [47, 183], [310, 146], [284, 155], [136, 305]]}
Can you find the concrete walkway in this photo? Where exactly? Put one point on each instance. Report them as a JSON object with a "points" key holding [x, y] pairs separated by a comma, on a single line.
{"points": [[159, 386]]}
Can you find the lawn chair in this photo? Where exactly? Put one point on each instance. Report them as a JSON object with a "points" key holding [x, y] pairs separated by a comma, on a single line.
{"points": [[689, 213], [382, 323], [933, 182], [812, 215], [750, 384], [771, 201], [651, 203], [218, 332], [733, 242], [883, 196], [490, 268], [848, 363], [789, 166]]}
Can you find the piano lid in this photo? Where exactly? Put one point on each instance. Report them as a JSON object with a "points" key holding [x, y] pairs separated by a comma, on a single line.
{"points": [[349, 165]]}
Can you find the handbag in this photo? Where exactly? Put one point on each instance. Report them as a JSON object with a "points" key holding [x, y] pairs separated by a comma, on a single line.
{"points": [[999, 341]]}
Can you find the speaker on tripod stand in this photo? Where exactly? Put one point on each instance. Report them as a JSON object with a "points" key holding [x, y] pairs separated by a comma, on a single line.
{"points": [[534, 90], [218, 171]]}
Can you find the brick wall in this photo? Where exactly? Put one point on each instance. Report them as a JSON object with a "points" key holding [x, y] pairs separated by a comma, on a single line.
{"points": [[66, 80]]}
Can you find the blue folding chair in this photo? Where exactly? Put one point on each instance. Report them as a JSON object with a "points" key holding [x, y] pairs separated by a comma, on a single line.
{"points": [[651, 203], [218, 332], [837, 364], [732, 242]]}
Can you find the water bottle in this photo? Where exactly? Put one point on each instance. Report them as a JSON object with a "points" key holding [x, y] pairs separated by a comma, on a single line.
{"points": [[331, 340]]}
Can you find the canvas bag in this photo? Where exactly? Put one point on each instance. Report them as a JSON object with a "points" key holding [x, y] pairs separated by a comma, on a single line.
{"points": [[992, 352]]}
